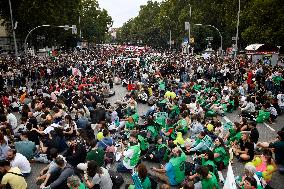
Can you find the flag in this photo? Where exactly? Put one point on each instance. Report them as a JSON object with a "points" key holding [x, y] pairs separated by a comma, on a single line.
{"points": [[230, 182]]}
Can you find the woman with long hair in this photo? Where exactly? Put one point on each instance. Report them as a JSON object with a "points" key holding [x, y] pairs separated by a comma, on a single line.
{"points": [[97, 176]]}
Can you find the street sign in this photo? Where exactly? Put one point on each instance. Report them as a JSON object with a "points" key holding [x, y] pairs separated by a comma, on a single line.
{"points": [[191, 40], [185, 40], [209, 39], [186, 25], [234, 38], [74, 29]]}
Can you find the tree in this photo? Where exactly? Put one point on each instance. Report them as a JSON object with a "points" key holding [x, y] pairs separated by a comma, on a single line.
{"points": [[265, 22], [94, 21], [31, 13]]}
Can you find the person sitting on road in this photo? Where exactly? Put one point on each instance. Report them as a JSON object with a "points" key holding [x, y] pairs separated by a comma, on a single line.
{"points": [[25, 147], [144, 179], [50, 168], [12, 176], [201, 144], [245, 150], [76, 153], [248, 109], [73, 182], [207, 179], [20, 161], [58, 178], [157, 152], [173, 172], [131, 155], [99, 176], [278, 148]]}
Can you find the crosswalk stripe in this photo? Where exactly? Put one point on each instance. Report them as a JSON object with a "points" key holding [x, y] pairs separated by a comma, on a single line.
{"points": [[269, 127], [227, 119]]}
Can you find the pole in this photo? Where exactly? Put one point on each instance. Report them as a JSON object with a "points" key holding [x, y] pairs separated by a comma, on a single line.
{"points": [[170, 39], [221, 38], [26, 45], [80, 27], [14, 34], [237, 33], [189, 30]]}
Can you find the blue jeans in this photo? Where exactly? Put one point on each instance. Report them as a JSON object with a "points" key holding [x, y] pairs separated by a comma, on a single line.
{"points": [[121, 168]]}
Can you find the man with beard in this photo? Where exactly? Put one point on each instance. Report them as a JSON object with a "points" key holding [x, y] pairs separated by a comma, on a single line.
{"points": [[12, 176], [173, 172], [20, 161], [130, 156]]}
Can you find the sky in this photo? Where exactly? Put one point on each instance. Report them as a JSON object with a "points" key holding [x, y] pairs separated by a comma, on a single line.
{"points": [[122, 10]]}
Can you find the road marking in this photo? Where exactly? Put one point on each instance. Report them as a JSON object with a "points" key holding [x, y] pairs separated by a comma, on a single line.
{"points": [[269, 127], [227, 119]]}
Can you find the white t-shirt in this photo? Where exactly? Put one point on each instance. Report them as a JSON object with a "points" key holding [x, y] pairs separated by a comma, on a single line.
{"points": [[128, 153], [12, 120], [22, 163], [280, 98], [103, 180]]}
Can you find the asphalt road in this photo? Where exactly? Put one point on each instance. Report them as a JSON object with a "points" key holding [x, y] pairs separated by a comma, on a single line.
{"points": [[266, 131]]}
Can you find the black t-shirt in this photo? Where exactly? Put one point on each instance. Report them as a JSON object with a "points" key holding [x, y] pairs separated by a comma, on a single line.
{"points": [[249, 146], [254, 135], [34, 137]]}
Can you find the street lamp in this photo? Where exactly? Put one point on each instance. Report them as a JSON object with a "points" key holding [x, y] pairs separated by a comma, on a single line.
{"points": [[189, 40], [66, 27], [237, 33], [14, 34], [219, 35]]}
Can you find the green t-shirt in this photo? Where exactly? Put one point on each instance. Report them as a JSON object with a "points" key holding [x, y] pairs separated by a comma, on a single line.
{"points": [[210, 183], [96, 155], [130, 125], [223, 155], [146, 184], [82, 186]]}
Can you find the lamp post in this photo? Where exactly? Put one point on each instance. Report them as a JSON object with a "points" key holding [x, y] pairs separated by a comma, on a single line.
{"points": [[14, 34], [66, 27], [237, 33], [189, 29], [219, 35]]}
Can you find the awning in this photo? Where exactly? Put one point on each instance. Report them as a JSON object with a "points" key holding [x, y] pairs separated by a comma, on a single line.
{"points": [[253, 47]]}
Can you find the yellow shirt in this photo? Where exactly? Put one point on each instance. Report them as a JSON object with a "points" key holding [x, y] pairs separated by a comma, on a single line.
{"points": [[15, 181]]}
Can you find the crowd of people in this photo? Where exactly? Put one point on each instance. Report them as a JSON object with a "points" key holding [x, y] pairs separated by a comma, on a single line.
{"points": [[55, 110]]}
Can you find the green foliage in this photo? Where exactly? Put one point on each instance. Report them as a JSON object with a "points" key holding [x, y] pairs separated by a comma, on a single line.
{"points": [[94, 21], [261, 21], [31, 13]]}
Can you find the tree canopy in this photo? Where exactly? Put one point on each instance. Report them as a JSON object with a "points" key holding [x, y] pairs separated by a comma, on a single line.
{"points": [[261, 21], [31, 13]]}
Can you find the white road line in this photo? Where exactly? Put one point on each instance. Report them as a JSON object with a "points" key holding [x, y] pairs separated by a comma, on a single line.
{"points": [[269, 127], [227, 119]]}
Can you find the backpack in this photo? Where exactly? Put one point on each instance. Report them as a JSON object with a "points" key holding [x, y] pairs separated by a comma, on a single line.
{"points": [[117, 179]]}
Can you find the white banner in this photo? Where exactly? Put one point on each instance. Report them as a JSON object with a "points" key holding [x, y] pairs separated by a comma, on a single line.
{"points": [[230, 182]]}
